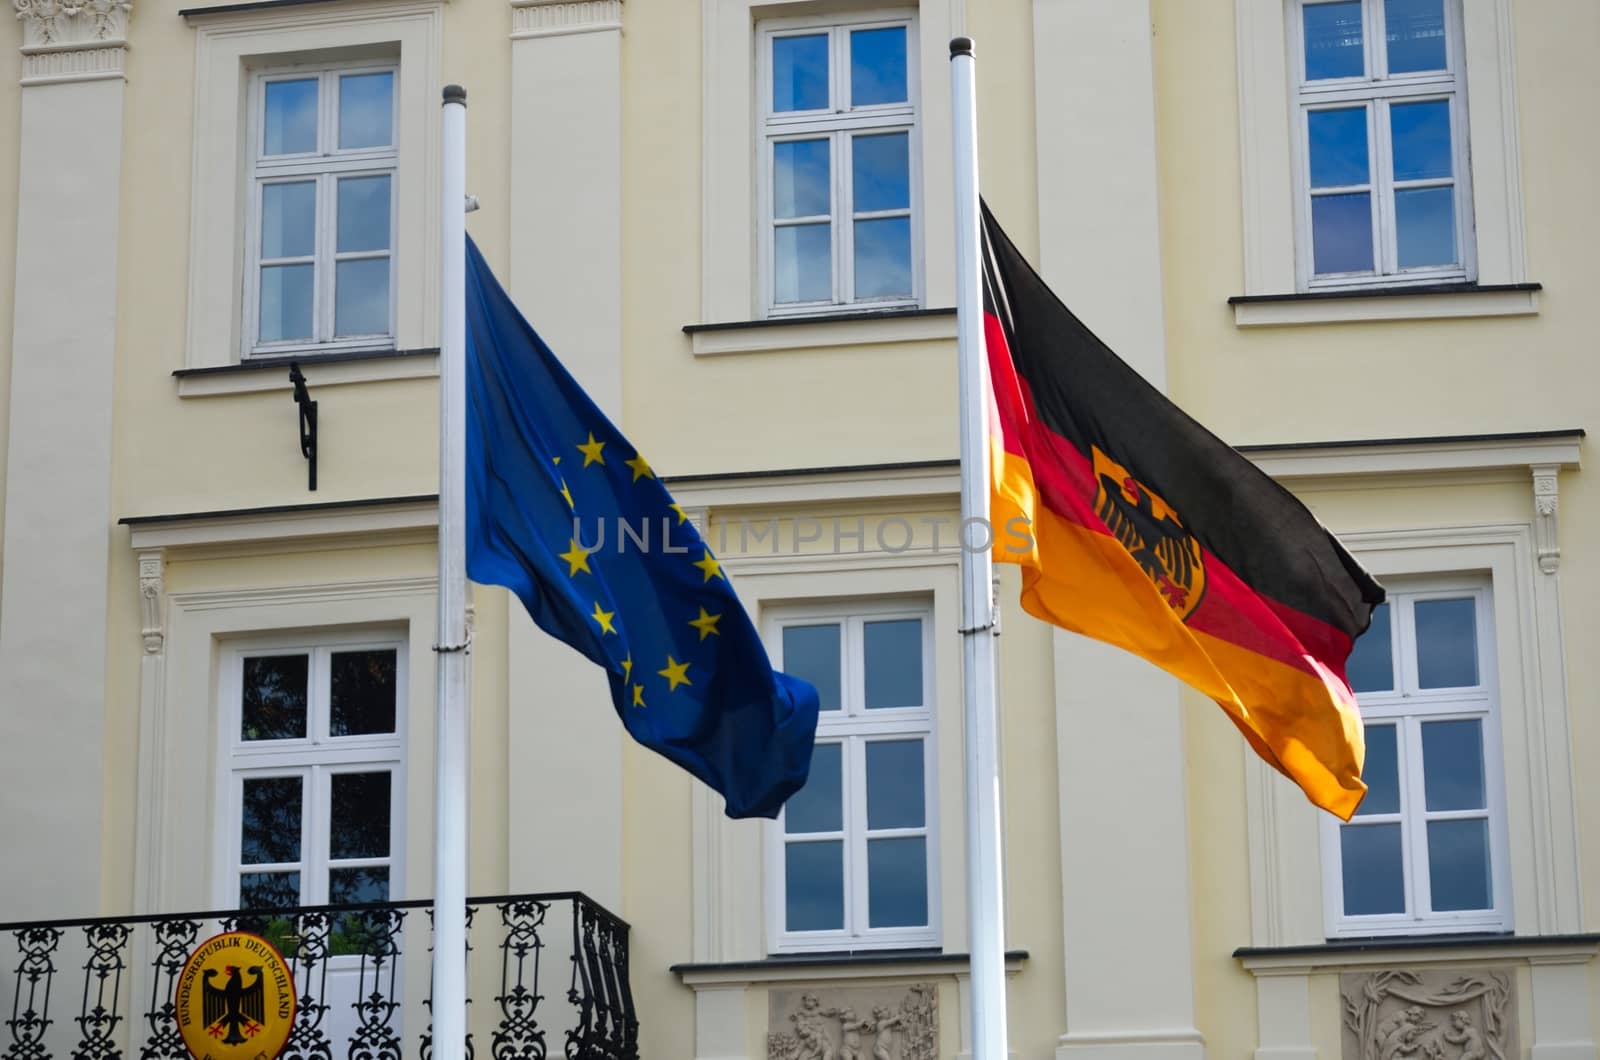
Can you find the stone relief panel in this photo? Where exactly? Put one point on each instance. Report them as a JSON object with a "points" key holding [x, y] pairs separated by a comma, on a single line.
{"points": [[1444, 1014], [895, 1022]]}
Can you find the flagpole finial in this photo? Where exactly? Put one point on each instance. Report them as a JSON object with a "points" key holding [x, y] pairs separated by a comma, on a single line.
{"points": [[455, 94], [960, 46]]}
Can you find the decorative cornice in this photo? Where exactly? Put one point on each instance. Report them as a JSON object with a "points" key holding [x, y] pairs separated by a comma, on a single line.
{"points": [[555, 18], [72, 40], [1546, 508], [152, 599]]}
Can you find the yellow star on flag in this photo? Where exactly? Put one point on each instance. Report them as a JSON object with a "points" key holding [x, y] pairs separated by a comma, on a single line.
{"points": [[676, 673], [710, 565], [577, 558], [591, 451], [627, 668], [567, 494], [555, 459], [683, 516], [706, 624], [604, 618], [638, 695], [641, 468]]}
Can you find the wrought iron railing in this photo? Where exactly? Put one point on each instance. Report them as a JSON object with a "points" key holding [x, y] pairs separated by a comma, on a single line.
{"points": [[102, 988]]}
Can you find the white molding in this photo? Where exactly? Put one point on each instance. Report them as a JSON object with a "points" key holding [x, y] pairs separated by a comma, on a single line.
{"points": [[750, 974], [248, 528], [558, 18], [1311, 961], [823, 486], [1430, 456], [819, 334], [1546, 508], [224, 49], [72, 40], [1386, 306], [152, 599], [333, 373]]}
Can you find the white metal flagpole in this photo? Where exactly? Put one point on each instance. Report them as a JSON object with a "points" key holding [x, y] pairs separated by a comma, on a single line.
{"points": [[450, 806], [985, 907]]}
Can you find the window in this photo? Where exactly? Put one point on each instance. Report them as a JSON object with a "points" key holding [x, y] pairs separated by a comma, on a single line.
{"points": [[322, 210], [852, 854], [1426, 850], [839, 184], [1381, 142], [314, 777]]}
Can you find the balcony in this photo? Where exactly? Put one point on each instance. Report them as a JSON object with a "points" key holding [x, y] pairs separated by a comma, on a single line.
{"points": [[103, 988]]}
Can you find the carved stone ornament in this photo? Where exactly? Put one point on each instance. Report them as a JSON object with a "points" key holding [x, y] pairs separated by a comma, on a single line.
{"points": [[65, 24], [1444, 1014], [152, 596], [858, 1023], [1546, 510], [555, 18]]}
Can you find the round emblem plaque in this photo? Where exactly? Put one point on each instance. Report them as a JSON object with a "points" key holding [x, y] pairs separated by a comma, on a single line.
{"points": [[235, 999]]}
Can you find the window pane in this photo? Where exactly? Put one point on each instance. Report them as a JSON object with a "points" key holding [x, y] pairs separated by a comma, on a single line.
{"points": [[363, 214], [1371, 665], [288, 220], [804, 263], [1426, 223], [1447, 643], [1338, 140], [270, 815], [286, 302], [1374, 879], [360, 816], [813, 885], [1341, 233], [1414, 32], [811, 653], [366, 110], [1452, 765], [800, 72], [1333, 40], [361, 297], [289, 125], [894, 784], [817, 807], [877, 66], [274, 697], [897, 882], [894, 663], [363, 693], [1458, 865], [348, 886], [883, 258], [269, 890], [1381, 772], [800, 181], [880, 171], [1421, 133]]}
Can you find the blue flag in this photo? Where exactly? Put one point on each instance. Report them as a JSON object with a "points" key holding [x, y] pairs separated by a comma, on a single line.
{"points": [[566, 514]]}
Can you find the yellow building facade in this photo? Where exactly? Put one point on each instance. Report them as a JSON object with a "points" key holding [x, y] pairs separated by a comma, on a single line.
{"points": [[1346, 235]]}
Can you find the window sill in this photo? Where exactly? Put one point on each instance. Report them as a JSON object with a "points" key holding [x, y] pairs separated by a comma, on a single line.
{"points": [[824, 329], [328, 369], [856, 964], [1389, 303], [1418, 949]]}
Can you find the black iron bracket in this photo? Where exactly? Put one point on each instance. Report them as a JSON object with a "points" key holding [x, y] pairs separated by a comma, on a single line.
{"points": [[308, 421]]}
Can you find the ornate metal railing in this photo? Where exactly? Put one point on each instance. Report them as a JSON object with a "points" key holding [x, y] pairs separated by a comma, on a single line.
{"points": [[102, 988]]}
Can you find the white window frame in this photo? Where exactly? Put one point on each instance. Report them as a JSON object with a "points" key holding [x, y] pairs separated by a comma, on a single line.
{"points": [[855, 727], [1376, 91], [316, 758], [1407, 707], [325, 166], [838, 124]]}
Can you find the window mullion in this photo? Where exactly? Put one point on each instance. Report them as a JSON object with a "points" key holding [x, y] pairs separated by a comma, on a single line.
{"points": [[1385, 245], [328, 243], [844, 211], [1376, 39], [855, 920], [1420, 891]]}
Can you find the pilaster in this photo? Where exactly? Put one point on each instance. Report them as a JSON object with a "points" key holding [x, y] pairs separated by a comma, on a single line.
{"points": [[53, 602], [566, 172]]}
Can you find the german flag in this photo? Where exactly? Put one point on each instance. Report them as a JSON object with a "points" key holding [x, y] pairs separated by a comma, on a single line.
{"points": [[1150, 533]]}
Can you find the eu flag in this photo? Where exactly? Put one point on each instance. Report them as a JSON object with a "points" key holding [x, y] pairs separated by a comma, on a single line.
{"points": [[566, 514]]}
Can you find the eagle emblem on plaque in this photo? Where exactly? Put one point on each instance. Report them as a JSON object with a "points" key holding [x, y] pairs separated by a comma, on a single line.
{"points": [[235, 999], [1150, 529]]}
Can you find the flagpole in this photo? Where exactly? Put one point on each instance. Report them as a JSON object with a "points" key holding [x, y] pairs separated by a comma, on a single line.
{"points": [[450, 788], [985, 906]]}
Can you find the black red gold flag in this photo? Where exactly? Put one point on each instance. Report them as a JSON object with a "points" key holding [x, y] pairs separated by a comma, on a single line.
{"points": [[1150, 533]]}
